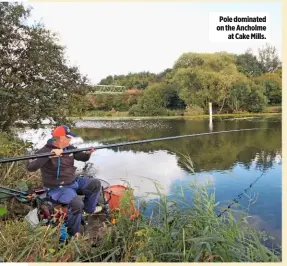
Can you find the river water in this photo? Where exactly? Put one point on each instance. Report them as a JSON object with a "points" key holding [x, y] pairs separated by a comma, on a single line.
{"points": [[231, 161]]}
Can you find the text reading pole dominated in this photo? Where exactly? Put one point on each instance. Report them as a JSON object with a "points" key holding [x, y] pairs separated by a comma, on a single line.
{"points": [[239, 26]]}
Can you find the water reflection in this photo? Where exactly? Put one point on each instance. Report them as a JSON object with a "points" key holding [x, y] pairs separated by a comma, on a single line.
{"points": [[218, 152], [231, 161]]}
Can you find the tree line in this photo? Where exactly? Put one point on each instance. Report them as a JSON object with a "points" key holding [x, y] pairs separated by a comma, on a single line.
{"points": [[37, 82], [232, 82]]}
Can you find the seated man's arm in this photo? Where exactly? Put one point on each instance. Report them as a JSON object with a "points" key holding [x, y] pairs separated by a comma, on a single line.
{"points": [[35, 164], [81, 155]]}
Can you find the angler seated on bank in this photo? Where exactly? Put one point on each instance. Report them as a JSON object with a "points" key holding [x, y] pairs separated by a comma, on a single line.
{"points": [[59, 178]]}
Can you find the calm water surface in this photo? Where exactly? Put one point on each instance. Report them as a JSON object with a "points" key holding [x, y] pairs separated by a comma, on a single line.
{"points": [[231, 161]]}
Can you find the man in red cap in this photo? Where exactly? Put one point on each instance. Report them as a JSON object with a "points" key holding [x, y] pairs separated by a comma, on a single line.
{"points": [[59, 177]]}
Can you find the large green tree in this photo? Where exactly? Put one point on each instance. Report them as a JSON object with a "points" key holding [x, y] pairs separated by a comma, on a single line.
{"points": [[154, 101], [272, 83], [248, 64], [205, 78], [35, 79]]}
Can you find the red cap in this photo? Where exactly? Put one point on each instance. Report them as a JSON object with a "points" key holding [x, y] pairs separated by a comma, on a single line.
{"points": [[62, 131]]}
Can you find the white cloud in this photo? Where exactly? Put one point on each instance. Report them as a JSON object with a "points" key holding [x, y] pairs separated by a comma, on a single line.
{"points": [[137, 169], [121, 167]]}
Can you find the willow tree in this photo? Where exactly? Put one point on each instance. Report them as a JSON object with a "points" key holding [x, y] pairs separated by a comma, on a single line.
{"points": [[206, 77]]}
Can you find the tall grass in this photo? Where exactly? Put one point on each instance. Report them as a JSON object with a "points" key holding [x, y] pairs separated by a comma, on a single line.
{"points": [[192, 233], [175, 232], [20, 243], [14, 174]]}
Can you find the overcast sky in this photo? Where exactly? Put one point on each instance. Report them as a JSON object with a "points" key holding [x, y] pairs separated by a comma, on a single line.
{"points": [[117, 38]]}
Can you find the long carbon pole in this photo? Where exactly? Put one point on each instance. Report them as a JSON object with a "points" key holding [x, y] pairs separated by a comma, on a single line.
{"points": [[40, 155]]}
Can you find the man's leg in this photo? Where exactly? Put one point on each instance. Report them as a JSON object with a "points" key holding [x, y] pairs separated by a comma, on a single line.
{"points": [[91, 188], [66, 195]]}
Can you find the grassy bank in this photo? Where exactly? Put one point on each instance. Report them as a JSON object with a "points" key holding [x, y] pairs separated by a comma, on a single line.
{"points": [[193, 233], [116, 115], [170, 117]]}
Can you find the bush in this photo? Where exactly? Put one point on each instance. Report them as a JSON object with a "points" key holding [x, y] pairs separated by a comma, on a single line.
{"points": [[257, 101], [193, 110]]}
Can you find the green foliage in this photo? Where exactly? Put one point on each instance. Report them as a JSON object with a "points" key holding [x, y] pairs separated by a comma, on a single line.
{"points": [[153, 102], [20, 243], [238, 95], [3, 210], [192, 233], [272, 83], [193, 110], [106, 102], [201, 86], [215, 61], [131, 81], [36, 82], [224, 79], [248, 64], [256, 101], [171, 97]]}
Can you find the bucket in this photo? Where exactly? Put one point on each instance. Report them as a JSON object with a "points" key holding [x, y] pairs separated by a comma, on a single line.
{"points": [[114, 194]]}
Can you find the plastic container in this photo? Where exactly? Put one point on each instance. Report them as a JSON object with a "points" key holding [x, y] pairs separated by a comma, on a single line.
{"points": [[115, 194]]}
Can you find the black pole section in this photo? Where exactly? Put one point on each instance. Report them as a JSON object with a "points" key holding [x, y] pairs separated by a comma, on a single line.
{"points": [[40, 155], [12, 190], [9, 193]]}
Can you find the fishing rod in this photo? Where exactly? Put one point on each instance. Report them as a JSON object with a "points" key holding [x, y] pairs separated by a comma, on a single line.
{"points": [[48, 154]]}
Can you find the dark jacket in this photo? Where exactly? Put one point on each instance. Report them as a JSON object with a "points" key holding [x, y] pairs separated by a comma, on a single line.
{"points": [[57, 171]]}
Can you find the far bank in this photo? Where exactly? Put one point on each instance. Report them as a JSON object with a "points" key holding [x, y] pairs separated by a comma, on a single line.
{"points": [[124, 116]]}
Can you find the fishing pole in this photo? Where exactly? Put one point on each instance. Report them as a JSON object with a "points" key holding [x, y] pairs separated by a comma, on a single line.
{"points": [[48, 154]]}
